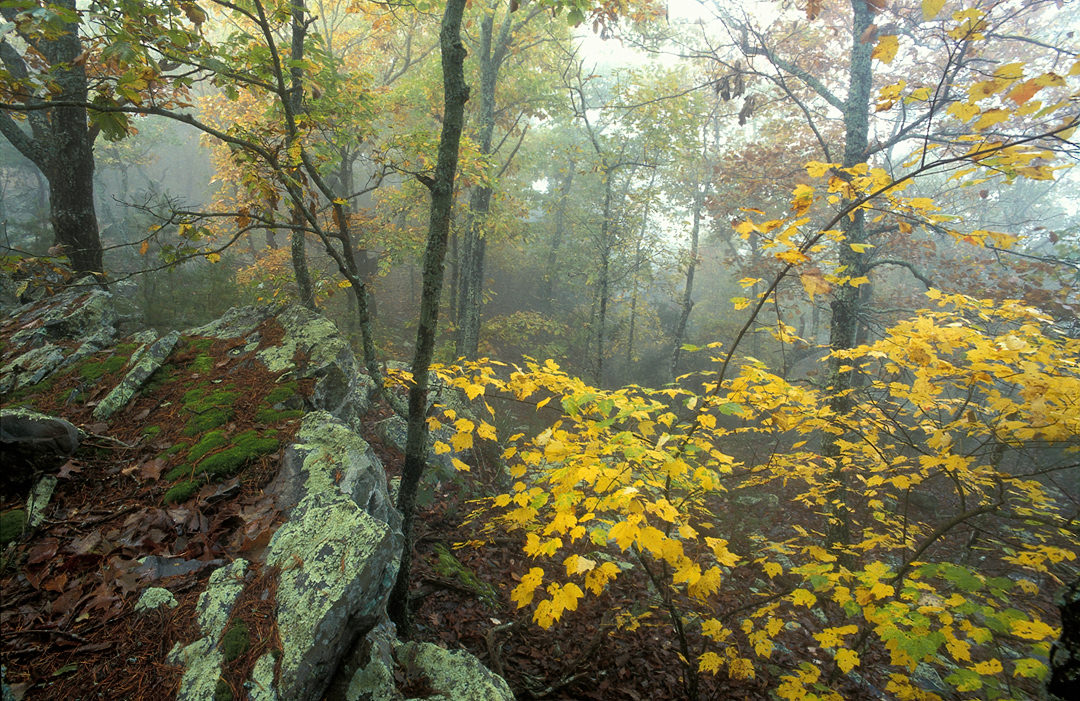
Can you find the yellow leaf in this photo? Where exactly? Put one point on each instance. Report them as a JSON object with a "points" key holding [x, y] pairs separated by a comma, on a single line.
{"points": [[931, 8], [791, 256], [213, 257], [740, 303], [988, 667], [344, 284], [813, 281], [486, 431], [816, 169], [441, 448], [745, 283], [802, 597], [459, 465], [502, 500], [991, 117], [847, 660], [1033, 630], [885, 50], [963, 111], [144, 247], [860, 247], [523, 592], [773, 569], [802, 198], [575, 564]]}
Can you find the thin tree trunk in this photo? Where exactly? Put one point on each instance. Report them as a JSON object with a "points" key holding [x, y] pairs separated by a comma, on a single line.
{"points": [[844, 326], [688, 289], [455, 94], [557, 235], [296, 74]]}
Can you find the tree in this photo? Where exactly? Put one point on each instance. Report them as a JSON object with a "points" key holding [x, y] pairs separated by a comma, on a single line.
{"points": [[60, 139], [441, 185]]}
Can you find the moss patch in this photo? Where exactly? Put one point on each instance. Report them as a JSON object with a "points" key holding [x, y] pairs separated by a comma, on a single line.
{"points": [[450, 567], [236, 641], [211, 408], [272, 416], [245, 447], [11, 525], [223, 692], [281, 393], [181, 492]]}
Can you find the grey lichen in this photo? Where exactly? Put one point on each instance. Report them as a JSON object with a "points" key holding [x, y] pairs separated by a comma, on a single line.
{"points": [[155, 598], [216, 603]]}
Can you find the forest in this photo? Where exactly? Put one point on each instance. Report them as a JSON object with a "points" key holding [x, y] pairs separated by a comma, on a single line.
{"points": [[748, 327]]}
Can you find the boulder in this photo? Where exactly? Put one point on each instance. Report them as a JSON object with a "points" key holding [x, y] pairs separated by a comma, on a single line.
{"points": [[202, 659], [144, 362], [329, 456], [448, 675], [337, 566], [33, 443]]}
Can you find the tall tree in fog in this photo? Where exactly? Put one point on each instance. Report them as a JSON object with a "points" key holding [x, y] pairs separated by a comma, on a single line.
{"points": [[57, 136]]}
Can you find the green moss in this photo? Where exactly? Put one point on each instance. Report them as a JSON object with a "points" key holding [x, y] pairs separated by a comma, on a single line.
{"points": [[452, 568], [161, 377], [182, 470], [173, 450], [245, 447], [11, 526], [151, 431], [223, 692], [272, 416], [281, 393], [236, 641], [181, 492], [94, 369], [207, 420], [210, 441]]}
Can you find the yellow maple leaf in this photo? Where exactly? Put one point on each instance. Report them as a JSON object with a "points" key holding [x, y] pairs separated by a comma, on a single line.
{"points": [[802, 597], [988, 667], [847, 660], [885, 49], [931, 8], [461, 441], [1033, 630], [813, 281], [486, 431], [773, 569], [523, 592]]}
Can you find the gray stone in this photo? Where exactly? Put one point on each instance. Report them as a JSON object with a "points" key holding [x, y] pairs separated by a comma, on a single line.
{"points": [[340, 387], [261, 686], [454, 675], [155, 598], [329, 456], [143, 366], [236, 323], [32, 443], [927, 678], [39, 499], [337, 566], [202, 659], [30, 368], [80, 313]]}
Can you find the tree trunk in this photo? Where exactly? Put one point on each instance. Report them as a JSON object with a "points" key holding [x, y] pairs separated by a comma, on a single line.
{"points": [[304, 285], [455, 94], [604, 282], [60, 142], [846, 307], [701, 189], [471, 264], [557, 235]]}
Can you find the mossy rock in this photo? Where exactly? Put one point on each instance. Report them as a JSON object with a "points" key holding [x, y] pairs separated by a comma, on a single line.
{"points": [[452, 568], [236, 641], [210, 441], [181, 492], [11, 526]]}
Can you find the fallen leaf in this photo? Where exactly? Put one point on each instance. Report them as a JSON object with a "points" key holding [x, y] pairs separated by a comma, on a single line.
{"points": [[44, 550], [69, 468]]}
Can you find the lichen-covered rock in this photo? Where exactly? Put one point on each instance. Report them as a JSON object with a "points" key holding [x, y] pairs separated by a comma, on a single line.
{"points": [[340, 387], [144, 361], [329, 456], [83, 310], [30, 368], [261, 686], [236, 323], [337, 566], [31, 443], [155, 598], [39, 499], [202, 659], [453, 675]]}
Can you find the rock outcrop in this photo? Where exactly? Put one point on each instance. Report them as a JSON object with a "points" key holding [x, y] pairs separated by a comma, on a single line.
{"points": [[276, 388]]}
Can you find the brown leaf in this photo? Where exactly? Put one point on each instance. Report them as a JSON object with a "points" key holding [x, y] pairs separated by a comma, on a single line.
{"points": [[56, 584], [44, 550], [70, 468], [152, 469]]}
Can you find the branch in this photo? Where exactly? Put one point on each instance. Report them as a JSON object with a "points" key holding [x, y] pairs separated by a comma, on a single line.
{"points": [[915, 272]]}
